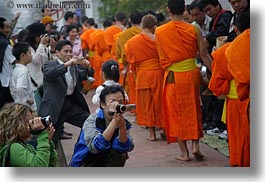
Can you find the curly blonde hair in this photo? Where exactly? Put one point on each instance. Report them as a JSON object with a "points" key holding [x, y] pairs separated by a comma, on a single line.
{"points": [[13, 122]]}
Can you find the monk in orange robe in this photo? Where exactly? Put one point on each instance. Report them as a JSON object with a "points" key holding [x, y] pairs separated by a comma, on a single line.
{"points": [[149, 76], [85, 39], [177, 44], [238, 57], [223, 83], [128, 71], [96, 58], [120, 19]]}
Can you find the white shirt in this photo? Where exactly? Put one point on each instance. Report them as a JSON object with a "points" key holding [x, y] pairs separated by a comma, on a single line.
{"points": [[205, 27], [39, 58], [7, 68], [21, 87], [69, 80]]}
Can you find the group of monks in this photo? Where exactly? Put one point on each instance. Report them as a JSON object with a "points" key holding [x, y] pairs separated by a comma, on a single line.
{"points": [[158, 71]]}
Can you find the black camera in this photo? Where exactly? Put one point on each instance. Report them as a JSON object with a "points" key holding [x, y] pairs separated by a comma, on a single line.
{"points": [[46, 121]]}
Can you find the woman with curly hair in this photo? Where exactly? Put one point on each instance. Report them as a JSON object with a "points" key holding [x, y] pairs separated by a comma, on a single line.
{"points": [[17, 122]]}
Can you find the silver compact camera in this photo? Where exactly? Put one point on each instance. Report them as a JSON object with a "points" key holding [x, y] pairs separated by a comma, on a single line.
{"points": [[120, 108]]}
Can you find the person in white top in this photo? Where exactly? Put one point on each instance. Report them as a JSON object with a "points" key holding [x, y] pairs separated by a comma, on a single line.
{"points": [[40, 45], [111, 75], [21, 87]]}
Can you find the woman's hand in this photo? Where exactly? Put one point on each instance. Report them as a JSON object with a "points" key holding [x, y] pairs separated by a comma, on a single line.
{"points": [[51, 130]]}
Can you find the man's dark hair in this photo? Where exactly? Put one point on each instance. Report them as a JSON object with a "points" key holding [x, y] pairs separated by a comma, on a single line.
{"points": [[68, 14], [136, 17], [243, 21], [111, 70], [204, 3], [71, 27], [22, 35], [176, 7], [19, 48], [84, 19], [60, 44], [2, 20], [160, 17], [91, 21], [112, 89], [107, 23], [196, 4], [120, 16]]}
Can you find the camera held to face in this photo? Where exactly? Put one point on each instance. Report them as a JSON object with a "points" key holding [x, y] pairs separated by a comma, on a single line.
{"points": [[120, 108], [46, 121]]}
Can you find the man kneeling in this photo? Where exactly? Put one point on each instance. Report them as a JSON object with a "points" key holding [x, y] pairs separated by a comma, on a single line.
{"points": [[105, 139]]}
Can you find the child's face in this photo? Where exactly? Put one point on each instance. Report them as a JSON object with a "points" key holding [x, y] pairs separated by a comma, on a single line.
{"points": [[28, 56]]}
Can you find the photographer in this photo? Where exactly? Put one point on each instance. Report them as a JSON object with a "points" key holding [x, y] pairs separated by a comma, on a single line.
{"points": [[16, 122], [105, 139], [62, 99]]}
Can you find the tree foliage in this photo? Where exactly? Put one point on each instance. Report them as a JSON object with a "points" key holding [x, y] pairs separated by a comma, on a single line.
{"points": [[111, 7]]}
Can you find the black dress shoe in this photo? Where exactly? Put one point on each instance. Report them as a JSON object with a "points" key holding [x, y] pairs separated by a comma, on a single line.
{"points": [[67, 133], [65, 137]]}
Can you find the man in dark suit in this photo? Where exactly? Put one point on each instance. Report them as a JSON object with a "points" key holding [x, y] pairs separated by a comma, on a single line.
{"points": [[62, 99]]}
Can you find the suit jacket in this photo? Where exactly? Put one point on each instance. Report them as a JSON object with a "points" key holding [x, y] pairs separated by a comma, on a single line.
{"points": [[55, 88]]}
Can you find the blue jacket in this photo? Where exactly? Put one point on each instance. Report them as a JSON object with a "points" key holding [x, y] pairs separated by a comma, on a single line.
{"points": [[93, 146]]}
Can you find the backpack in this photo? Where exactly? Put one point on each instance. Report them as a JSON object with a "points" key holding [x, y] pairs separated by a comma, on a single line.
{"points": [[4, 155]]}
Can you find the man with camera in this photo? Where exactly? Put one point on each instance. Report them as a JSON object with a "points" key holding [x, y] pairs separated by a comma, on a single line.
{"points": [[105, 140], [62, 99]]}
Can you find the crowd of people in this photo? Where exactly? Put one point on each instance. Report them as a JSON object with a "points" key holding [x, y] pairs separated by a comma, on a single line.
{"points": [[181, 78]]}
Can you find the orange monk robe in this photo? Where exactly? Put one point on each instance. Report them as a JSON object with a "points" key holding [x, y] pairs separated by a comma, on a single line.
{"points": [[177, 41], [149, 80], [102, 47], [113, 53], [85, 40], [109, 35], [129, 80], [96, 58], [220, 79], [236, 110], [238, 55]]}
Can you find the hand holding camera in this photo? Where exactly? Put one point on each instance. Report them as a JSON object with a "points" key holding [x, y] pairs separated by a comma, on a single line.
{"points": [[44, 39], [39, 124]]}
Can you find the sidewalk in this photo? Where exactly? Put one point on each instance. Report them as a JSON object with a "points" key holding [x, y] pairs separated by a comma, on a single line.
{"points": [[150, 153]]}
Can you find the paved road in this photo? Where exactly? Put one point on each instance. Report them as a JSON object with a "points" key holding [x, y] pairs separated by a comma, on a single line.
{"points": [[151, 154]]}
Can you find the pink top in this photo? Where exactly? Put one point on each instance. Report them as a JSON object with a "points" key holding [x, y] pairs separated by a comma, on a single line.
{"points": [[77, 48]]}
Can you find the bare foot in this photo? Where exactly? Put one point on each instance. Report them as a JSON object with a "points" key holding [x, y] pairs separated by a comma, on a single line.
{"points": [[198, 155], [151, 139], [181, 158]]}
